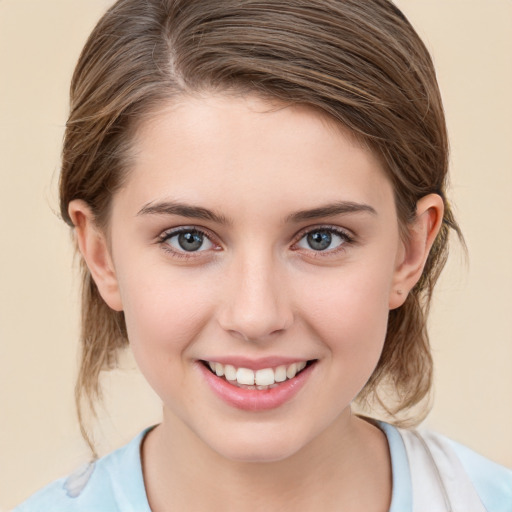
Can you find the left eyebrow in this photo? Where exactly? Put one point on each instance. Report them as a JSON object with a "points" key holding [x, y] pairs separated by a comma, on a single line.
{"points": [[330, 210]]}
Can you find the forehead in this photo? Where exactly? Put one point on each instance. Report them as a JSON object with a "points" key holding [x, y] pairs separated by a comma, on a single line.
{"points": [[219, 147]]}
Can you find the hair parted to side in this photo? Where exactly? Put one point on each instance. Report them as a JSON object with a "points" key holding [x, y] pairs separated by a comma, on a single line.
{"points": [[360, 62]]}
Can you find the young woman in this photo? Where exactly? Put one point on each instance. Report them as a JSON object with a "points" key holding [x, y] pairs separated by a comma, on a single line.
{"points": [[257, 190]]}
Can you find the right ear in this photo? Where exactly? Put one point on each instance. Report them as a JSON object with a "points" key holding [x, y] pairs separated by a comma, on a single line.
{"points": [[95, 251]]}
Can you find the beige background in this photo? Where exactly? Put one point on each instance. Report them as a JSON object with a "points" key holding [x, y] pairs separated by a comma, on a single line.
{"points": [[471, 326]]}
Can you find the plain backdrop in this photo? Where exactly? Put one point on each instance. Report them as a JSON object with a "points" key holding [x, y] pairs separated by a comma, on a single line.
{"points": [[471, 326]]}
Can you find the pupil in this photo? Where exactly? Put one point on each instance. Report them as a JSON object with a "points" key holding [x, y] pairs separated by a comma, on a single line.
{"points": [[190, 241], [319, 240]]}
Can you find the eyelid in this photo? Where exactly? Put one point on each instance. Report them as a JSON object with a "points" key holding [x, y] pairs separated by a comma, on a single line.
{"points": [[347, 235], [171, 232], [327, 227]]}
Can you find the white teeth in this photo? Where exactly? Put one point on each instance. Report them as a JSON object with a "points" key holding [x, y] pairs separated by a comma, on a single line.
{"points": [[219, 369], [245, 376], [230, 372], [265, 377], [259, 379], [280, 374], [291, 371]]}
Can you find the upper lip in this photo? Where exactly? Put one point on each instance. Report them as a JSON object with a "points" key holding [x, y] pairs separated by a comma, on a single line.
{"points": [[256, 364]]}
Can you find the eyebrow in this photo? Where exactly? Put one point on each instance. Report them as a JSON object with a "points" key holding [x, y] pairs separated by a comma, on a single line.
{"points": [[183, 210], [198, 212], [330, 210]]}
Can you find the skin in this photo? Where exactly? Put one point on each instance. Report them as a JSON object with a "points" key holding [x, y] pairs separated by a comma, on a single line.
{"points": [[257, 288]]}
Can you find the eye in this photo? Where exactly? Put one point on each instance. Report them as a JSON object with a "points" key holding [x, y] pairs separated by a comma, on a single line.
{"points": [[323, 239], [187, 240]]}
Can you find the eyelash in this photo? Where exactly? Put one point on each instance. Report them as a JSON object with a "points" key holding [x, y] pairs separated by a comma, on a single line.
{"points": [[346, 238], [164, 238]]}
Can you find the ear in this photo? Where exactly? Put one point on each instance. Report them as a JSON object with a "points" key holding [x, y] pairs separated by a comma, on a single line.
{"points": [[95, 251], [412, 259]]}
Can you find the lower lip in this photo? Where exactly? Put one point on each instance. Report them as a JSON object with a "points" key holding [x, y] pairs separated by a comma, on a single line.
{"points": [[253, 399]]}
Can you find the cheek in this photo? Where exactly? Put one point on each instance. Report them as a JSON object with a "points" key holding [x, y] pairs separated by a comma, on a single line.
{"points": [[349, 321], [353, 300], [164, 316], [349, 314]]}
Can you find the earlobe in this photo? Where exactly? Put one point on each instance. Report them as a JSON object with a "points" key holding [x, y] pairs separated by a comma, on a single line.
{"points": [[95, 251], [412, 259]]}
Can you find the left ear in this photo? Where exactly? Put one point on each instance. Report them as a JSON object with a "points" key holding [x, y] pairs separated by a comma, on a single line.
{"points": [[412, 259]]}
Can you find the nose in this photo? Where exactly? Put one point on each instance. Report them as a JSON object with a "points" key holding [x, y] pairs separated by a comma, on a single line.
{"points": [[256, 306]]}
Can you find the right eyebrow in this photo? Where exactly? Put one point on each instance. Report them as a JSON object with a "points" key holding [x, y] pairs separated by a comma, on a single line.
{"points": [[183, 210]]}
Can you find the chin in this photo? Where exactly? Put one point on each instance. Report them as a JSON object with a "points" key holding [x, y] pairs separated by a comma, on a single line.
{"points": [[257, 452], [257, 445]]}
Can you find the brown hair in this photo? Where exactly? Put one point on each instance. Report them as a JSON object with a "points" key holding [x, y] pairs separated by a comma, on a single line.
{"points": [[360, 62]]}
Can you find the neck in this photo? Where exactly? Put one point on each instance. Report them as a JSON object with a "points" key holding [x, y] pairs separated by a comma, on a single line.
{"points": [[347, 467]]}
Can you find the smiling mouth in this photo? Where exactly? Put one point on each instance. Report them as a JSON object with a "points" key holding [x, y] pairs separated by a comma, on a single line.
{"points": [[265, 378]]}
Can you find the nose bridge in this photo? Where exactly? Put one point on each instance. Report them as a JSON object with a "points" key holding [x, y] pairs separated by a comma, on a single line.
{"points": [[257, 305]]}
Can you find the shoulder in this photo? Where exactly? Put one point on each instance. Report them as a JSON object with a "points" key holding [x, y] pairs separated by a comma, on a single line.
{"points": [[88, 488], [492, 481], [461, 470], [110, 484]]}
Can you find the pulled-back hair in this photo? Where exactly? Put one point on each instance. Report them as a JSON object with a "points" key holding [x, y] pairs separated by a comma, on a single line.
{"points": [[359, 62]]}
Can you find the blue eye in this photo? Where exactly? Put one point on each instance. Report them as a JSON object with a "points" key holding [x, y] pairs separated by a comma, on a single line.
{"points": [[188, 240], [323, 239]]}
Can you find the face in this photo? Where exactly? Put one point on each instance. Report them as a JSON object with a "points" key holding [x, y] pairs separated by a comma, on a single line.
{"points": [[255, 249]]}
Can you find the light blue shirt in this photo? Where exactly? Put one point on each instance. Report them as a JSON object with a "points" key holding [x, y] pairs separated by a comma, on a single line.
{"points": [[115, 483]]}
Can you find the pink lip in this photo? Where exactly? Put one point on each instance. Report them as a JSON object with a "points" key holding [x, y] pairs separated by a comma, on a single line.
{"points": [[253, 399]]}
